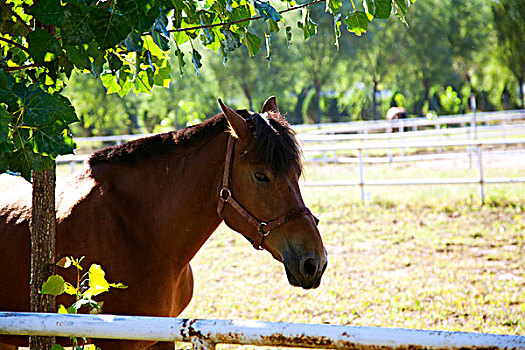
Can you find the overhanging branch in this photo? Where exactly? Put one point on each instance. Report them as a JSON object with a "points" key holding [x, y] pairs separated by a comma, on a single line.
{"points": [[222, 24], [13, 69], [11, 42]]}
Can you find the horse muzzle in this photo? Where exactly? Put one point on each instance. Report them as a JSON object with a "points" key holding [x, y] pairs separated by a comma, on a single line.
{"points": [[305, 272]]}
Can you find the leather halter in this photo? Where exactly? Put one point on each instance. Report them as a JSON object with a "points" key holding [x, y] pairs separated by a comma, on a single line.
{"points": [[263, 228]]}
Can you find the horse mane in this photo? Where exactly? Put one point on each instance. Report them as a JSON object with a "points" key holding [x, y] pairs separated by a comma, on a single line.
{"points": [[133, 152], [275, 144]]}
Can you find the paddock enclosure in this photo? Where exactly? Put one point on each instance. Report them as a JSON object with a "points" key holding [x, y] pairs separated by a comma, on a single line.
{"points": [[411, 257]]}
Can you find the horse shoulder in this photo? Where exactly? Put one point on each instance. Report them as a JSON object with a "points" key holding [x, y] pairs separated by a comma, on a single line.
{"points": [[15, 198]]}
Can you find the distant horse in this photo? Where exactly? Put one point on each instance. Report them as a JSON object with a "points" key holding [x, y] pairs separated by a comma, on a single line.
{"points": [[395, 113], [143, 209]]}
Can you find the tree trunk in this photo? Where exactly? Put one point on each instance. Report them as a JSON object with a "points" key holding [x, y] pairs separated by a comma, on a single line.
{"points": [[522, 93], [42, 229], [247, 93], [374, 101], [317, 86]]}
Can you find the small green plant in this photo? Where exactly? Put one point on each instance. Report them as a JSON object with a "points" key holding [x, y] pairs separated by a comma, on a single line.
{"points": [[88, 285]]}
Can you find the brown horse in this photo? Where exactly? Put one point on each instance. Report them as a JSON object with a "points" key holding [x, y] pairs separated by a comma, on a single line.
{"points": [[143, 209], [395, 113]]}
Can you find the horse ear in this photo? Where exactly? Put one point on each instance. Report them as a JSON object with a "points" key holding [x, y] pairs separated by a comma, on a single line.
{"points": [[270, 105], [237, 123]]}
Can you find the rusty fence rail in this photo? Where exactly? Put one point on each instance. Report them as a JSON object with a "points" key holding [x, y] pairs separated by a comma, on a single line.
{"points": [[205, 334]]}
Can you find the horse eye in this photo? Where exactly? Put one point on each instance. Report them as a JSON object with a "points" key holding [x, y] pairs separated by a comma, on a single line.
{"points": [[261, 177]]}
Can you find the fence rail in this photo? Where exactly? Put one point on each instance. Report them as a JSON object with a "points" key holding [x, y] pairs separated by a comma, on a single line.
{"points": [[499, 117], [477, 145], [205, 334]]}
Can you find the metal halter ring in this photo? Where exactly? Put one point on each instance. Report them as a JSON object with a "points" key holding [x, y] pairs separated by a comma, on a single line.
{"points": [[225, 194], [262, 229]]}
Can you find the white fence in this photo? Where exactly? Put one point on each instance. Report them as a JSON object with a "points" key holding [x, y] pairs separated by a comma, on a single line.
{"points": [[333, 142], [477, 144], [205, 334], [414, 124]]}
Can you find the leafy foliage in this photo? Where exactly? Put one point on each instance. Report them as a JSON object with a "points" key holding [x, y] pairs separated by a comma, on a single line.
{"points": [[126, 44], [87, 286]]}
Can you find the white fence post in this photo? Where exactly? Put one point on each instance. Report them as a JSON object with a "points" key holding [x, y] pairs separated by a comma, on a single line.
{"points": [[479, 148], [361, 175]]}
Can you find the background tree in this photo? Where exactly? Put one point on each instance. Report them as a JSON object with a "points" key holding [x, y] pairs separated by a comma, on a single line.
{"points": [[509, 21]]}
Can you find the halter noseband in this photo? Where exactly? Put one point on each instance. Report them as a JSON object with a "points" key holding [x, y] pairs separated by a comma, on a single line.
{"points": [[263, 228]]}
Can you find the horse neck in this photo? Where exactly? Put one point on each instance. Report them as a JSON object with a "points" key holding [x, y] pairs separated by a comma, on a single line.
{"points": [[174, 196]]}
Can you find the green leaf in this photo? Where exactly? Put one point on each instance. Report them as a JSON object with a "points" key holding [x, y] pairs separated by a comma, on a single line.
{"points": [[3, 80], [70, 289], [288, 35], [75, 29], [163, 74], [401, 9], [97, 65], [109, 28], [64, 110], [84, 302], [65, 262], [337, 29], [48, 12], [383, 8], [160, 40], [180, 60], [57, 346], [161, 23], [9, 25], [114, 61], [369, 6], [133, 42], [231, 41], [252, 42], [50, 140], [333, 6], [308, 26], [142, 82], [273, 25], [266, 11], [61, 310], [78, 56], [357, 22], [55, 285], [43, 47], [110, 83], [97, 281], [196, 59], [5, 119], [268, 48]]}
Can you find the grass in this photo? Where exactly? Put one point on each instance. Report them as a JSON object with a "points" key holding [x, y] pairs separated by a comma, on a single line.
{"points": [[450, 267]]}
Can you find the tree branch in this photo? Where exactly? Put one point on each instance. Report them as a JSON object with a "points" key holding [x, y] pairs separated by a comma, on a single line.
{"points": [[12, 69], [15, 44], [19, 19], [222, 24]]}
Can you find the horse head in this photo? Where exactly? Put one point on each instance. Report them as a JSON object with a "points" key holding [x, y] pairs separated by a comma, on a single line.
{"points": [[260, 195]]}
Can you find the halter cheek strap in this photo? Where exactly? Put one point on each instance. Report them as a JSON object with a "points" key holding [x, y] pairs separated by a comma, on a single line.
{"points": [[263, 228]]}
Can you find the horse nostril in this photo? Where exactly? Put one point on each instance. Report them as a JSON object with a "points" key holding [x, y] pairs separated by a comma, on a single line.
{"points": [[308, 267]]}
